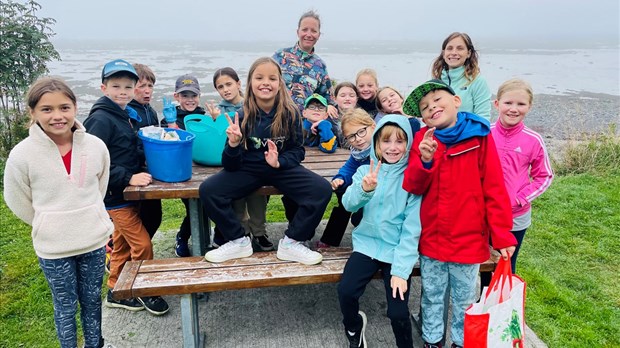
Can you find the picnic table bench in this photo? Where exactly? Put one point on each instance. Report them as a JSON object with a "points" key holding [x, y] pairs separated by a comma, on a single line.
{"points": [[191, 276]]}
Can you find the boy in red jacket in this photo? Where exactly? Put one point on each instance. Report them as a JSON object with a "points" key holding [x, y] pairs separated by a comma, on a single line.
{"points": [[454, 165]]}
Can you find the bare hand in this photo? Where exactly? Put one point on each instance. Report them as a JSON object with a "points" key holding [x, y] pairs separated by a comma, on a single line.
{"points": [[332, 112], [428, 146], [141, 179], [399, 286], [314, 126], [507, 252], [214, 111], [369, 182], [271, 155], [233, 131], [336, 183]]}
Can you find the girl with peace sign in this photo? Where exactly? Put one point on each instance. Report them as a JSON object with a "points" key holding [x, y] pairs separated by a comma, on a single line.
{"points": [[387, 237], [265, 148]]}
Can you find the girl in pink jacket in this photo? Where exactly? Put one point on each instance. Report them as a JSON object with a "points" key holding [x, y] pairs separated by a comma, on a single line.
{"points": [[522, 153]]}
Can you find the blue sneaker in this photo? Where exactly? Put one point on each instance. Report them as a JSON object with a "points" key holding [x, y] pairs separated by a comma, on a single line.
{"points": [[180, 248]]}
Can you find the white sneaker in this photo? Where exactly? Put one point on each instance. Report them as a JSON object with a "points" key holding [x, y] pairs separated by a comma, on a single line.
{"points": [[297, 251], [230, 250]]}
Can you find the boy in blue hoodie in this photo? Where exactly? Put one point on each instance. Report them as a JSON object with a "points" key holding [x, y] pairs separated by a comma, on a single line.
{"points": [[111, 120], [387, 237]]}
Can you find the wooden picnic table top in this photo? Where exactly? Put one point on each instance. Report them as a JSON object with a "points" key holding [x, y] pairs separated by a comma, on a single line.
{"points": [[324, 164]]}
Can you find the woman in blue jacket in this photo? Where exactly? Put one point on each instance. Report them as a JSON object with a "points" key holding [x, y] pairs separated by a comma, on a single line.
{"points": [[387, 237]]}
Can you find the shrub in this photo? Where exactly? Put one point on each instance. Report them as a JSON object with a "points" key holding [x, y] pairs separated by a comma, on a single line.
{"points": [[13, 129], [592, 153]]}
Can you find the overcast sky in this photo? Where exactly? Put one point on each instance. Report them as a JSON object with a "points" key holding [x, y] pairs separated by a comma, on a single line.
{"points": [[249, 20]]}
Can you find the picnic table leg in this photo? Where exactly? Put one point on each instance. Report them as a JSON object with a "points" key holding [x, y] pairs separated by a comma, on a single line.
{"points": [[192, 338], [197, 225]]}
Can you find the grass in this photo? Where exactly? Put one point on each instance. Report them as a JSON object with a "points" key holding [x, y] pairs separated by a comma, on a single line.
{"points": [[569, 259]]}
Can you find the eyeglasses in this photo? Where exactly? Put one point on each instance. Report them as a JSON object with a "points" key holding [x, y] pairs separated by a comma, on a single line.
{"points": [[360, 133], [316, 107]]}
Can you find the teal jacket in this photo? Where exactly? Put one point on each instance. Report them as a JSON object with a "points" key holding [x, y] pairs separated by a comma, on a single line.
{"points": [[390, 229], [475, 96], [226, 106]]}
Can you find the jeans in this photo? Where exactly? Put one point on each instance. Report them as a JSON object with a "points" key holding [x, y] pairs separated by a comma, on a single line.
{"points": [[71, 280]]}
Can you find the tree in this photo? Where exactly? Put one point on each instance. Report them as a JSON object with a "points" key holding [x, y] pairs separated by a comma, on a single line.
{"points": [[25, 50]]}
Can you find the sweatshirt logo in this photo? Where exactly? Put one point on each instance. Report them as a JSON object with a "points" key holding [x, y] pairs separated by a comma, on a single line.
{"points": [[518, 149]]}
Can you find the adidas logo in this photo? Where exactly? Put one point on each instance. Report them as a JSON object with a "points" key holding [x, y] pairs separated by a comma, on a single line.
{"points": [[518, 149]]}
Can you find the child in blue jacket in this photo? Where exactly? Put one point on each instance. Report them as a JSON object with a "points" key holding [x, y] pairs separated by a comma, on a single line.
{"points": [[387, 237]]}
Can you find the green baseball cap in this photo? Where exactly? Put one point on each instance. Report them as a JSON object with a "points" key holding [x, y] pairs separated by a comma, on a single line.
{"points": [[316, 96], [411, 106]]}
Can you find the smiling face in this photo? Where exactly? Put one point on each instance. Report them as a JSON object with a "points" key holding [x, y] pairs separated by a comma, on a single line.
{"points": [[391, 102], [55, 113], [346, 98], [228, 89], [439, 109], [308, 33], [187, 100], [512, 107], [358, 135], [392, 144], [456, 52], [366, 86], [119, 89], [265, 83], [143, 91]]}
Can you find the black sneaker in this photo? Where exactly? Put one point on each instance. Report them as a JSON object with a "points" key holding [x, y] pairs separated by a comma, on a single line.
{"points": [[262, 243], [130, 304], [432, 345], [358, 339], [154, 305], [181, 249], [454, 345]]}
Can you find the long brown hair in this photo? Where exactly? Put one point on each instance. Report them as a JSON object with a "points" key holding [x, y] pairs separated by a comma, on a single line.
{"points": [[47, 85], [471, 64], [286, 110]]}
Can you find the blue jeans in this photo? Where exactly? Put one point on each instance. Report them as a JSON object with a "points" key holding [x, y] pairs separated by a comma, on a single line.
{"points": [[73, 279]]}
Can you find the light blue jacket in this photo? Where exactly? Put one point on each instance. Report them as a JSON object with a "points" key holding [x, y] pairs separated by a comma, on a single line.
{"points": [[226, 106], [390, 228], [475, 96]]}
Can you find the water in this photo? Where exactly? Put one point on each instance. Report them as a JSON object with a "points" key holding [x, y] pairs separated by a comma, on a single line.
{"points": [[403, 65]]}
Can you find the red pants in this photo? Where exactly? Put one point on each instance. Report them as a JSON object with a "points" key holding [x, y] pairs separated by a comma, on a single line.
{"points": [[131, 240]]}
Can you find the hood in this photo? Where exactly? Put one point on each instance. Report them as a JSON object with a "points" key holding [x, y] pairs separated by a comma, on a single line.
{"points": [[400, 121]]}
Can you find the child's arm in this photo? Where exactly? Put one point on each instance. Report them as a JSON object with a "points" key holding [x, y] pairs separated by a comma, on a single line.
{"points": [[496, 202], [293, 152], [17, 191], [232, 154], [355, 197], [345, 173], [406, 252], [541, 176], [104, 176], [418, 176]]}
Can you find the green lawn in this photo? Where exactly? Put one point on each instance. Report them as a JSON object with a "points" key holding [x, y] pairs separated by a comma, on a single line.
{"points": [[568, 260]]}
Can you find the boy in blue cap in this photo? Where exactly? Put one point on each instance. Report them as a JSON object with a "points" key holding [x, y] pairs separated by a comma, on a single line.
{"points": [[318, 130], [111, 120]]}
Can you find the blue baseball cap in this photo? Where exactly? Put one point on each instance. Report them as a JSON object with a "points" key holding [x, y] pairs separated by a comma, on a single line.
{"points": [[116, 66]]}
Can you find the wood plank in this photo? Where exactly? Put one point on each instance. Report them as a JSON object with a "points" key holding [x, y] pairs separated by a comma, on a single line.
{"points": [[177, 276], [125, 282]]}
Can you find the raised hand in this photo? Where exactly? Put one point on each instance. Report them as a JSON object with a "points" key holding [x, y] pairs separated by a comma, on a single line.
{"points": [[170, 111], [428, 146], [271, 155], [233, 131], [369, 182], [213, 110]]}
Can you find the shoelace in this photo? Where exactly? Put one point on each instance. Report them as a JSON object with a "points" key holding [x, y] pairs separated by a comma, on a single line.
{"points": [[299, 246]]}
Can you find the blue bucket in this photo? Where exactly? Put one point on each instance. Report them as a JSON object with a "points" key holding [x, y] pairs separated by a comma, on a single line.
{"points": [[210, 138], [169, 160]]}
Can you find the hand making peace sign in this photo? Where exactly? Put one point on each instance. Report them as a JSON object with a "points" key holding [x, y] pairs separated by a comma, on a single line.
{"points": [[369, 182], [428, 146], [233, 131]]}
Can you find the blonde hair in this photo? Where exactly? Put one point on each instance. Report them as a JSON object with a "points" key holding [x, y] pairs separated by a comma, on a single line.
{"points": [[369, 72], [356, 116], [378, 102], [515, 85], [286, 114], [384, 134], [47, 85]]}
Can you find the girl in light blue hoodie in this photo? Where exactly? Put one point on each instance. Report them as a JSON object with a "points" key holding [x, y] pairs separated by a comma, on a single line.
{"points": [[387, 237]]}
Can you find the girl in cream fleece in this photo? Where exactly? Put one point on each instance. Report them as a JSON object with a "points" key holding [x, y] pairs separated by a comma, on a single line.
{"points": [[55, 180]]}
